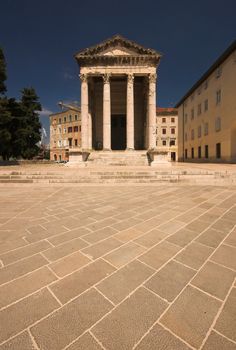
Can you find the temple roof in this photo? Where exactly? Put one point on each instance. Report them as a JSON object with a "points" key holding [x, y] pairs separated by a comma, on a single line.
{"points": [[116, 47]]}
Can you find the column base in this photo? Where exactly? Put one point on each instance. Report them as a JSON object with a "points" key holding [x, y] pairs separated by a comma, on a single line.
{"points": [[130, 149], [107, 149]]}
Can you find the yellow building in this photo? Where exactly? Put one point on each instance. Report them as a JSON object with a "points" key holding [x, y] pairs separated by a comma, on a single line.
{"points": [[207, 114], [65, 132], [167, 132]]}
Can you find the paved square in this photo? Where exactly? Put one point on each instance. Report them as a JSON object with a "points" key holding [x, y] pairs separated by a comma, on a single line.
{"points": [[117, 267]]}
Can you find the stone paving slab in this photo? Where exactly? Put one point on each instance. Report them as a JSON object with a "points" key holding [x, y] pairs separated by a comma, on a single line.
{"points": [[117, 267]]}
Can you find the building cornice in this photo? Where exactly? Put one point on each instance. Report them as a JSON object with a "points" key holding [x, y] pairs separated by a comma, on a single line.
{"points": [[215, 65]]}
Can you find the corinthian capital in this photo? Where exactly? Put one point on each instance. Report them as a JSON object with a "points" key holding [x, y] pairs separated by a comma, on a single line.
{"points": [[152, 78], [83, 78], [130, 78], [106, 78]]}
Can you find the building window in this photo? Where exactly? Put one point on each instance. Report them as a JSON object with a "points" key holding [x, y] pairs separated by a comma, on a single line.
{"points": [[199, 152], [199, 90], [206, 129], [164, 143], [192, 152], [156, 143], [199, 109], [80, 128], [218, 72], [64, 119], [192, 134], [59, 130], [172, 142], [163, 120], [76, 142], [76, 128], [192, 114], [186, 154], [76, 117], [218, 150], [64, 130], [59, 143], [70, 142], [206, 151], [185, 137], [69, 129], [163, 131], [59, 120], [218, 97], [206, 85], [185, 118], [70, 118], [199, 131], [172, 130], [172, 120], [218, 124], [206, 105]]}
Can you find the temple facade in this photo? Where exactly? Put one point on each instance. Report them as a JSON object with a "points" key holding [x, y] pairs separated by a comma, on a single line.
{"points": [[118, 97]]}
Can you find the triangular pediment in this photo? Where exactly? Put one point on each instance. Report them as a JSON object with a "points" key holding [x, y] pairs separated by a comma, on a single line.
{"points": [[117, 46], [118, 51]]}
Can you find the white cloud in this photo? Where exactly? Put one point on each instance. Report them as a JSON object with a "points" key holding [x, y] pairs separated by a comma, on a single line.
{"points": [[45, 112]]}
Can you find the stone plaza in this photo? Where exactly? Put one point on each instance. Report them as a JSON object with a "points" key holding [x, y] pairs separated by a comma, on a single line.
{"points": [[117, 266]]}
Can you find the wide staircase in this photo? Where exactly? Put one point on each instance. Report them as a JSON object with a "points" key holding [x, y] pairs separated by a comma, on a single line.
{"points": [[113, 175]]}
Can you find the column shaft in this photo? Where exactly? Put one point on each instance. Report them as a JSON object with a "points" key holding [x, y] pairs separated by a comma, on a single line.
{"points": [[152, 112], [106, 113], [130, 112], [84, 111]]}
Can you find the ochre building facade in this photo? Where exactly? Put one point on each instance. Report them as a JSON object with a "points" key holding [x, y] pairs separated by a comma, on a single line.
{"points": [[167, 132], [65, 133], [207, 114]]}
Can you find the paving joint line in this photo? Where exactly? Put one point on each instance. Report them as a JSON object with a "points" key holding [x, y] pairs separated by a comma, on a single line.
{"points": [[124, 265], [217, 315]]}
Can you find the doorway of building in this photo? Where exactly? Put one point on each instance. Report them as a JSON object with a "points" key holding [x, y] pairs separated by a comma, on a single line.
{"points": [[173, 156], [118, 132]]}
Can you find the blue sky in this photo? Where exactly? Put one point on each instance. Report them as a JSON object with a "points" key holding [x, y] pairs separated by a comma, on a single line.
{"points": [[40, 37]]}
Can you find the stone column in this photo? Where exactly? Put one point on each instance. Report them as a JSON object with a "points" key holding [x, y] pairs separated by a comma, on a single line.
{"points": [[84, 111], [106, 113], [152, 112], [130, 112]]}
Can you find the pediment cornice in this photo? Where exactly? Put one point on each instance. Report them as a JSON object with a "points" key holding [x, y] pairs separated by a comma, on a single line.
{"points": [[117, 49]]}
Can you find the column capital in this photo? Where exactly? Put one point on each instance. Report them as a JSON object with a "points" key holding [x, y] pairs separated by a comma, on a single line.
{"points": [[83, 78], [106, 78], [152, 78], [130, 78]]}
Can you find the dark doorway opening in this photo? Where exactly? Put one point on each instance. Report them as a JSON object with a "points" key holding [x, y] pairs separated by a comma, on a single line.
{"points": [[118, 132], [173, 156]]}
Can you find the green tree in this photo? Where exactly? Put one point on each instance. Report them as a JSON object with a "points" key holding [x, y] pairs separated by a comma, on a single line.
{"points": [[19, 120], [3, 74], [28, 133], [5, 115], [5, 129]]}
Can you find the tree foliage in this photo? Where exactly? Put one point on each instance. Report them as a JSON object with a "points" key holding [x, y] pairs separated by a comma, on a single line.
{"points": [[19, 121], [3, 75]]}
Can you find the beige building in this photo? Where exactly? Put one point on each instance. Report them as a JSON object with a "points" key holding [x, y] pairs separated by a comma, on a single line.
{"points": [[207, 114], [118, 98], [167, 132], [65, 132]]}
